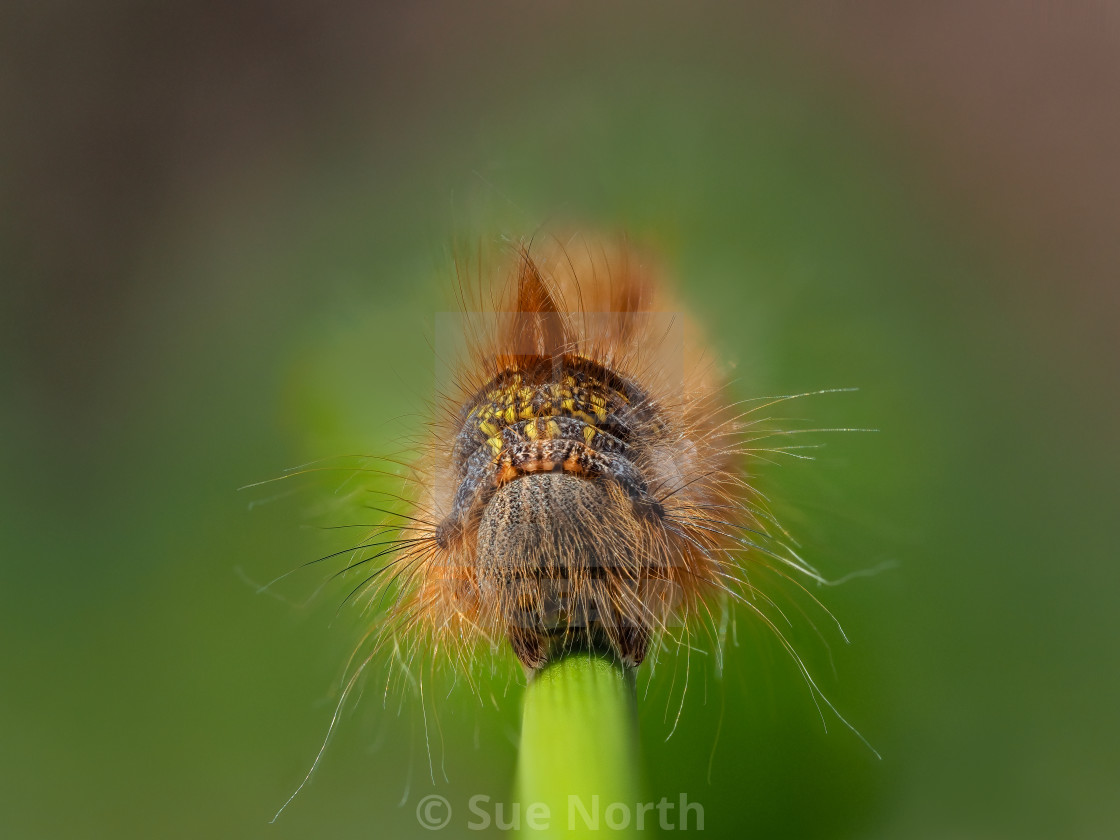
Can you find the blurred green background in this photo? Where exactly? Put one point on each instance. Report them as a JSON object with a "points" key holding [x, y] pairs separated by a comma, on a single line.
{"points": [[224, 231]]}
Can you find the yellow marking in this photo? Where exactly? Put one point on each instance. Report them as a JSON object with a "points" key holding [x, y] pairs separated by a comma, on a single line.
{"points": [[526, 412], [488, 429], [531, 431], [584, 416], [495, 444], [511, 415], [589, 433], [568, 405], [553, 429], [601, 414], [597, 400]]}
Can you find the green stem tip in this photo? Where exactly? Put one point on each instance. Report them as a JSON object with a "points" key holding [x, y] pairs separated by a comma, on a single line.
{"points": [[579, 749]]}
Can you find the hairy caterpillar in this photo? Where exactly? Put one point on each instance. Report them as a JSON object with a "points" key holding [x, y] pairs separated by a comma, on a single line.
{"points": [[583, 483]]}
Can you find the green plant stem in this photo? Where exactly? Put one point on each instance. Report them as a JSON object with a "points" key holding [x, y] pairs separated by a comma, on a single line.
{"points": [[579, 748]]}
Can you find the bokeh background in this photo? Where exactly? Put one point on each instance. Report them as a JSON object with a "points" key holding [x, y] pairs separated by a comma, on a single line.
{"points": [[225, 228]]}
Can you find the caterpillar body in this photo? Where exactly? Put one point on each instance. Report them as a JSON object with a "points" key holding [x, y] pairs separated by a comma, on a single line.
{"points": [[583, 485]]}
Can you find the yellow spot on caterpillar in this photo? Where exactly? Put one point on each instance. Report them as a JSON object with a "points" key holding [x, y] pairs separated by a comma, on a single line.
{"points": [[495, 444], [553, 429], [589, 433], [526, 412], [488, 429], [568, 404], [531, 431], [511, 415]]}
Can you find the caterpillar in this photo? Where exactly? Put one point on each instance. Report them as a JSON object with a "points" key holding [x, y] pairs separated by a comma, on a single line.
{"points": [[583, 481]]}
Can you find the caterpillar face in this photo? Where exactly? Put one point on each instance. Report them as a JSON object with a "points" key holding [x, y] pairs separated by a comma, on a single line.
{"points": [[572, 478], [551, 489]]}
